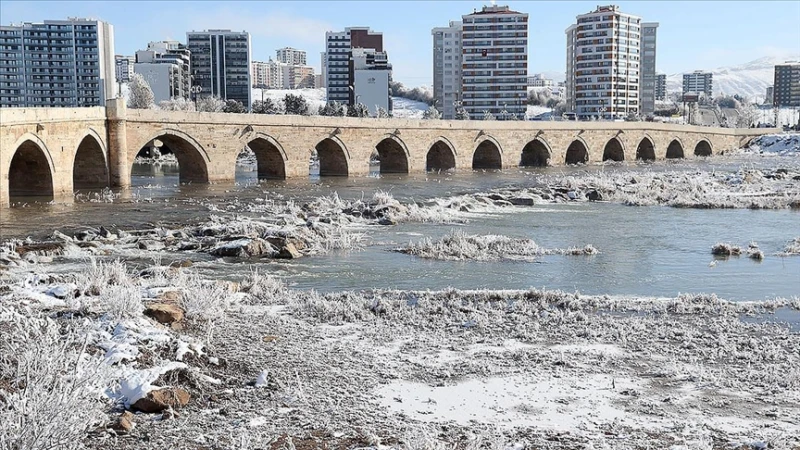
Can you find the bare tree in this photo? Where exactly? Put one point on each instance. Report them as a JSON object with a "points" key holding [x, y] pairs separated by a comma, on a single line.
{"points": [[488, 115], [432, 114], [382, 113], [177, 104], [210, 104], [141, 96]]}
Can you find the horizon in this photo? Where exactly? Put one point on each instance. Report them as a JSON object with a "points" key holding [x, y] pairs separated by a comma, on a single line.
{"points": [[682, 45]]}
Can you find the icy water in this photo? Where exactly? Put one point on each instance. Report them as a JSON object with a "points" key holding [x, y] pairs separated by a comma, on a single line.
{"points": [[652, 251]]}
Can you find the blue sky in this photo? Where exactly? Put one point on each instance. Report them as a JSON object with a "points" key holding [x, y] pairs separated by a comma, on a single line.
{"points": [[692, 35]]}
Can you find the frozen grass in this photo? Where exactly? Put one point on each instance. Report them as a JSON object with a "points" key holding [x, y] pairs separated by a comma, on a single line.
{"points": [[460, 246], [50, 388], [724, 249], [792, 248]]}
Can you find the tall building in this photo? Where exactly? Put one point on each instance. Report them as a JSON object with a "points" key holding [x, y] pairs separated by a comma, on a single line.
{"points": [[66, 63], [278, 75], [291, 56], [603, 64], [340, 64], [221, 63], [166, 65], [447, 68], [323, 70], [371, 76], [647, 68], [699, 82], [123, 67], [769, 98], [661, 87], [787, 84], [539, 80], [494, 62]]}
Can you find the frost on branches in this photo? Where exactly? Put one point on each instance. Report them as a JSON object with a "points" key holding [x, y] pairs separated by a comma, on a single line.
{"points": [[141, 96]]}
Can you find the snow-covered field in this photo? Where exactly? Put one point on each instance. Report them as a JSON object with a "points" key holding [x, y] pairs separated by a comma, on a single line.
{"points": [[315, 97], [408, 109], [778, 144]]}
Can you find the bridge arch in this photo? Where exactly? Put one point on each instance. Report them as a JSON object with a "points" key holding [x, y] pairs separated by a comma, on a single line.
{"points": [[536, 153], [90, 164], [488, 154], [703, 148], [441, 155], [646, 151], [31, 170], [333, 157], [270, 156], [675, 149], [393, 154], [577, 152], [192, 157], [614, 150]]}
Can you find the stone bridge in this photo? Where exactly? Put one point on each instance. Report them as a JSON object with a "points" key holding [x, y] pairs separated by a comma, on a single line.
{"points": [[54, 152]]}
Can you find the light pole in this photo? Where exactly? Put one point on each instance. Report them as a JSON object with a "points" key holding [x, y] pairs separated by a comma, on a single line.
{"points": [[196, 90]]}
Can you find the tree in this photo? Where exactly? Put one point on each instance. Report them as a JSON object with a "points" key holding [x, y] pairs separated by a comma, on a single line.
{"points": [[382, 113], [431, 114], [141, 96], [177, 104], [267, 106], [461, 113], [331, 109], [747, 113], [397, 89], [358, 110], [210, 104], [295, 104], [234, 106], [487, 115]]}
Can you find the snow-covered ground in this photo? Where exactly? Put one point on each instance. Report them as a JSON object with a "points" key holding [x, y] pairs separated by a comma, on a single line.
{"points": [[315, 97], [779, 144], [407, 109]]}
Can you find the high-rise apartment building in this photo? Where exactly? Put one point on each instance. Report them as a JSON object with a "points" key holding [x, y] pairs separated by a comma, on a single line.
{"points": [[371, 76], [340, 64], [769, 97], [291, 56], [166, 65], [494, 62], [278, 75], [699, 82], [323, 70], [66, 63], [787, 85], [221, 63], [661, 87], [539, 80], [123, 67], [647, 68], [603, 64], [447, 68]]}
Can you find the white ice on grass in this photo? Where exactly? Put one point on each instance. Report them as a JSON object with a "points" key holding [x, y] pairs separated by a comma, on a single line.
{"points": [[566, 403], [136, 384], [263, 379]]}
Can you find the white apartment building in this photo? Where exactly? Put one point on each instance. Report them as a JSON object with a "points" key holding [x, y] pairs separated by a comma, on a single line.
{"points": [[699, 82], [494, 64], [603, 64], [338, 61], [291, 56], [267, 75], [371, 75], [539, 80], [58, 63], [447, 68], [170, 83]]}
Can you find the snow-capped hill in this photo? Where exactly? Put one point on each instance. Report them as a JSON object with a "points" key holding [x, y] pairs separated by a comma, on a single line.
{"points": [[749, 79]]}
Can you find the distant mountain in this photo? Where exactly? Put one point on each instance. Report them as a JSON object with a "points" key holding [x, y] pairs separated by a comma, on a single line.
{"points": [[749, 80]]}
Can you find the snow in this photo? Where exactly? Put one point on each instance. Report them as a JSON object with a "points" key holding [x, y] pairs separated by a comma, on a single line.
{"points": [[779, 144], [137, 383], [315, 97], [263, 379], [565, 403], [408, 109]]}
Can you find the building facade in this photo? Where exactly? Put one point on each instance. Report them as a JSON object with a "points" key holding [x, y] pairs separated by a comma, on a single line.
{"points": [[603, 64], [447, 68], [699, 82], [221, 64], [340, 64], [174, 82], [769, 97], [494, 62], [539, 80], [647, 68], [57, 63], [787, 85], [661, 87], [123, 67], [371, 75], [291, 56]]}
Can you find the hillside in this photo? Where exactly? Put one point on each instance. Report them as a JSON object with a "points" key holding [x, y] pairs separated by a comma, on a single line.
{"points": [[749, 79]]}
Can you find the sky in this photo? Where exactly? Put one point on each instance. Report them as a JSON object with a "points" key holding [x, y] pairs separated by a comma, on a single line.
{"points": [[696, 35]]}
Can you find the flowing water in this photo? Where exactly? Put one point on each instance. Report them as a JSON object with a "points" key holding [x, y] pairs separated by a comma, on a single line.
{"points": [[643, 251]]}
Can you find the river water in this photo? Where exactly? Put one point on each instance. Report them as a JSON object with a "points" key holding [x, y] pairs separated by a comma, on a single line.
{"points": [[643, 251]]}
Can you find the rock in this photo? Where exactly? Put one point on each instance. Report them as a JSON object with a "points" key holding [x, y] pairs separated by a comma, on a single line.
{"points": [[161, 399], [572, 195], [182, 264], [386, 221], [169, 414], [242, 248], [522, 201], [59, 236], [104, 233], [41, 249], [594, 196], [502, 203], [184, 246], [289, 251], [164, 313], [170, 296], [60, 292], [84, 235], [150, 245], [496, 197], [124, 423]]}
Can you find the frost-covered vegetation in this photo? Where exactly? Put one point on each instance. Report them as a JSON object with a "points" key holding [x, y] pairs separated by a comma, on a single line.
{"points": [[460, 246]]}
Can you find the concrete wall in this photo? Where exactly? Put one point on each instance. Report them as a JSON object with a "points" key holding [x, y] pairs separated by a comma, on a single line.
{"points": [[207, 144]]}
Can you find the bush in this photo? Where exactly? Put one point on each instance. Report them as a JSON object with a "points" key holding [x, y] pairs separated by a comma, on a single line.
{"points": [[234, 106], [332, 109], [267, 106], [295, 104]]}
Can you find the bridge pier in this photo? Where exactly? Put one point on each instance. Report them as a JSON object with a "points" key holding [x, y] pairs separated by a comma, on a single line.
{"points": [[116, 127]]}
